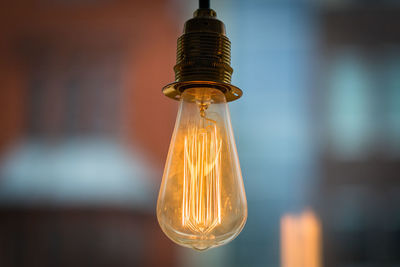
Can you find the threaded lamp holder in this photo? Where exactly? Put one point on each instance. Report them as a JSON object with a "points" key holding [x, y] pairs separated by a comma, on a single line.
{"points": [[203, 57]]}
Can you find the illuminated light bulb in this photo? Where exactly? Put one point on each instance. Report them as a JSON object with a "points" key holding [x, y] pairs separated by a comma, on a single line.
{"points": [[202, 201]]}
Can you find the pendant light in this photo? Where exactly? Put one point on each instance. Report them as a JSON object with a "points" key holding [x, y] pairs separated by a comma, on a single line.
{"points": [[202, 201]]}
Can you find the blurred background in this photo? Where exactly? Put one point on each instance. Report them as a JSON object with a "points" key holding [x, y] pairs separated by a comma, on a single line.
{"points": [[85, 129]]}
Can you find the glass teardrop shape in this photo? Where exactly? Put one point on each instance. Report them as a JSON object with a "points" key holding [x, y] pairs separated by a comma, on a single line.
{"points": [[202, 202]]}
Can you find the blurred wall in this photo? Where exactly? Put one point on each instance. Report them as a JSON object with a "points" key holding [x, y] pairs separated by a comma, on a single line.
{"points": [[84, 131]]}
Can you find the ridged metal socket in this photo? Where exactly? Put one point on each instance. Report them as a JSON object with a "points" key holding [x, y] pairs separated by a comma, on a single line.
{"points": [[203, 57]]}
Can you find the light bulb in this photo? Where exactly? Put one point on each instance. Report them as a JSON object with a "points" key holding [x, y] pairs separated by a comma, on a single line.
{"points": [[202, 202]]}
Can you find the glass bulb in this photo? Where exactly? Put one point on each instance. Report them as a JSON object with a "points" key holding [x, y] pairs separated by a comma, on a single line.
{"points": [[202, 202]]}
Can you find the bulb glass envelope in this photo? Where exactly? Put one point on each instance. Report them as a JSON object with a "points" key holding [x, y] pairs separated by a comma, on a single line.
{"points": [[202, 201]]}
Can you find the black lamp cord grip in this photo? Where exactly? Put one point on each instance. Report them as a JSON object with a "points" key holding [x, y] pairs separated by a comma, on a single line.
{"points": [[204, 4]]}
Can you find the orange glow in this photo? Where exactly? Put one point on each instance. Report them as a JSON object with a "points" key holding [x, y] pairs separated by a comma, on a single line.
{"points": [[202, 202], [301, 240]]}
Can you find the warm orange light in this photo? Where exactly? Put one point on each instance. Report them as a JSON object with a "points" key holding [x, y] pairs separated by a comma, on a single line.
{"points": [[300, 240], [201, 199], [202, 202]]}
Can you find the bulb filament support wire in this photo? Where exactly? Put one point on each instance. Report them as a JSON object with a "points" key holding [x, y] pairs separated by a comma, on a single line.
{"points": [[201, 202]]}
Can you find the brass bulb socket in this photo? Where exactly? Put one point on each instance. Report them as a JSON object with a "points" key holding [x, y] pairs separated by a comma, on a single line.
{"points": [[203, 57]]}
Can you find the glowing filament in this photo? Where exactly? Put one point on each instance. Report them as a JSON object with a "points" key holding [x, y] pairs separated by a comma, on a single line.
{"points": [[201, 205]]}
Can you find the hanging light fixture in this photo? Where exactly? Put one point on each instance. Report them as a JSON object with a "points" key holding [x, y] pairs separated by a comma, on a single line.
{"points": [[202, 202]]}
